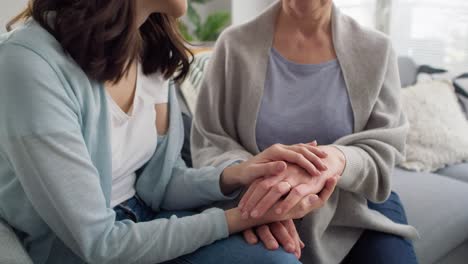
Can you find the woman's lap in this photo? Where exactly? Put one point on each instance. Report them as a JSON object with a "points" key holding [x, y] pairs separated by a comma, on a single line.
{"points": [[372, 246], [378, 247], [232, 250]]}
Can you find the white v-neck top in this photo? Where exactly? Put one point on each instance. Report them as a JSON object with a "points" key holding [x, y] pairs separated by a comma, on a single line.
{"points": [[133, 134]]}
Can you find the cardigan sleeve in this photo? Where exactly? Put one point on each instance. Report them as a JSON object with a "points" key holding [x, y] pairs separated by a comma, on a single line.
{"points": [[41, 139], [192, 188], [212, 141], [372, 153]]}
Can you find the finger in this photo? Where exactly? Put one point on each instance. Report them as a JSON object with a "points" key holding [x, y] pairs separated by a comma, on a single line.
{"points": [[250, 236], [247, 194], [313, 143], [294, 155], [316, 150], [310, 155], [294, 197], [263, 187], [282, 152], [275, 193], [266, 169], [267, 237], [289, 225], [282, 235], [327, 191], [313, 202], [302, 244]]}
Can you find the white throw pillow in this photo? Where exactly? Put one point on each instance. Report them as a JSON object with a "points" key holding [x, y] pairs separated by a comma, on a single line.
{"points": [[438, 133]]}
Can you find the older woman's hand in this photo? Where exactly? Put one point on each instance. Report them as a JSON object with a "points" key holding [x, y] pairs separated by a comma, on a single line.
{"points": [[273, 235], [304, 207], [264, 193]]}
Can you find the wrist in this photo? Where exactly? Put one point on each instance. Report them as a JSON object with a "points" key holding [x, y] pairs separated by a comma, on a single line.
{"points": [[230, 179], [237, 224], [341, 159]]}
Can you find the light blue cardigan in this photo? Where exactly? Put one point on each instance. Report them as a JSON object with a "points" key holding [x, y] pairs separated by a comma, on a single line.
{"points": [[55, 166]]}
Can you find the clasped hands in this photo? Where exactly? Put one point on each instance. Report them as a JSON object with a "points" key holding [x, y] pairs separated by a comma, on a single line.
{"points": [[286, 183]]}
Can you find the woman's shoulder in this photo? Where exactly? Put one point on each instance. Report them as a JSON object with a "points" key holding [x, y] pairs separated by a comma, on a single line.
{"points": [[31, 38], [349, 29], [257, 31]]}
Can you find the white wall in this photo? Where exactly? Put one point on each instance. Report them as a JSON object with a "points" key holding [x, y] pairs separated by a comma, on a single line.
{"points": [[8, 9]]}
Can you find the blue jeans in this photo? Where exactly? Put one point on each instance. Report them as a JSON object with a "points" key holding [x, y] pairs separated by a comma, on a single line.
{"points": [[377, 247], [372, 247], [232, 250]]}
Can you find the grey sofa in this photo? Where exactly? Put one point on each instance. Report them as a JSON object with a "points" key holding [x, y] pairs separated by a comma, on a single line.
{"points": [[436, 204]]}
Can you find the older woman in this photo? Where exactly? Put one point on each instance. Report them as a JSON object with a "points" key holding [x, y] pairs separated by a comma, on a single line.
{"points": [[301, 71]]}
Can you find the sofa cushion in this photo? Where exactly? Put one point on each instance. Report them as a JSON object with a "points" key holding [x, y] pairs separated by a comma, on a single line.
{"points": [[458, 171], [438, 127], [436, 206]]}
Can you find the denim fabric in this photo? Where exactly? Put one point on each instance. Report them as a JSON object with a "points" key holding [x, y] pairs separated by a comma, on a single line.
{"points": [[232, 250], [372, 247], [377, 247]]}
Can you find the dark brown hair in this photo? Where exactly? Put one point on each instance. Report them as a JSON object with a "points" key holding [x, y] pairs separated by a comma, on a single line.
{"points": [[103, 38]]}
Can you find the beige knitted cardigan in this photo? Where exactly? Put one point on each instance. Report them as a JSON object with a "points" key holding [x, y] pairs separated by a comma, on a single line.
{"points": [[228, 104]]}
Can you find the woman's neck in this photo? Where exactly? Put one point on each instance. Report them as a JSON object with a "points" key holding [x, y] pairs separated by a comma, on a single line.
{"points": [[312, 24], [142, 12]]}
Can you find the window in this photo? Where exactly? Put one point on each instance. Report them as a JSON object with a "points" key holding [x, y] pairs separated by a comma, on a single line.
{"points": [[432, 32]]}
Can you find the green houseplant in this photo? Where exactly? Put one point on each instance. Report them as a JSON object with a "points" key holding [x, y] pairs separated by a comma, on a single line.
{"points": [[203, 31]]}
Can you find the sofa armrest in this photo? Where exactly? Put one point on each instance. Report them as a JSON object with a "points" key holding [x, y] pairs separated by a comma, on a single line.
{"points": [[11, 249]]}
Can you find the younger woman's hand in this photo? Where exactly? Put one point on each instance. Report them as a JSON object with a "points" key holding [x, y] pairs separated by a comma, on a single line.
{"points": [[271, 162], [294, 182], [308, 204]]}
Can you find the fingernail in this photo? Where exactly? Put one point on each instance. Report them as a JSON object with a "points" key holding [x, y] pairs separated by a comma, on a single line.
{"points": [[254, 213], [278, 211], [280, 166], [273, 244], [312, 199], [290, 247], [245, 215]]}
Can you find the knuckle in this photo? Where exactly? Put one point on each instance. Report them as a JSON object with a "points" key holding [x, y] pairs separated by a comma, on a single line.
{"points": [[297, 192], [263, 229], [298, 156], [276, 146], [264, 186], [275, 226], [279, 189], [303, 149]]}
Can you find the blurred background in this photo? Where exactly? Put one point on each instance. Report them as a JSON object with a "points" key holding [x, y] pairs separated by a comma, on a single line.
{"points": [[432, 32]]}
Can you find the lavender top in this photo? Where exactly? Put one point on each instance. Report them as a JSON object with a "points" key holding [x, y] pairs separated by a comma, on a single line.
{"points": [[302, 103]]}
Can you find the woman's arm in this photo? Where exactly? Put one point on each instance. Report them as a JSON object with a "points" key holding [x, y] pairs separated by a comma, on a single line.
{"points": [[372, 153], [41, 139]]}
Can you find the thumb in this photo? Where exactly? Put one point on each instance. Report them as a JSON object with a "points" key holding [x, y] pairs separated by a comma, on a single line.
{"points": [[267, 169], [313, 143]]}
